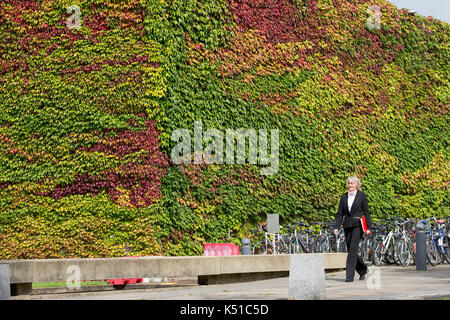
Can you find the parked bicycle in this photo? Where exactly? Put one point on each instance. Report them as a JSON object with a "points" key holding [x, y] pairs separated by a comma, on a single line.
{"points": [[273, 243], [386, 247], [325, 241], [300, 240], [437, 241]]}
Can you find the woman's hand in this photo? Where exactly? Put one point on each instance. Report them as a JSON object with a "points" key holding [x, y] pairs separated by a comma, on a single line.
{"points": [[368, 231], [336, 231]]}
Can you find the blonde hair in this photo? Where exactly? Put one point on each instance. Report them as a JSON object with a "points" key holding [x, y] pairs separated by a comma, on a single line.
{"points": [[356, 181]]}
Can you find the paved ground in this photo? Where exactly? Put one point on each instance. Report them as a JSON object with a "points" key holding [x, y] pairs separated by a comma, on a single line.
{"points": [[383, 283]]}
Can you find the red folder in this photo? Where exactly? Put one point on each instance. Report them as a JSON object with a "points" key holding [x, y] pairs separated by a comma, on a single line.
{"points": [[363, 223]]}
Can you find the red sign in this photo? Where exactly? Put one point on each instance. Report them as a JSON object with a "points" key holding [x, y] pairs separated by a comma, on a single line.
{"points": [[220, 249]]}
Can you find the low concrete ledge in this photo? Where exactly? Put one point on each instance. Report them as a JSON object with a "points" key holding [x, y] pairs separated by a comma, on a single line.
{"points": [[43, 270], [25, 272]]}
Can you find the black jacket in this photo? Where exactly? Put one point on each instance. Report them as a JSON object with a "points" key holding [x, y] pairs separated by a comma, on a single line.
{"points": [[358, 207]]}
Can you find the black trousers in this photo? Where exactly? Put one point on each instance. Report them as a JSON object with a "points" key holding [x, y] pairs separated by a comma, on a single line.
{"points": [[354, 262]]}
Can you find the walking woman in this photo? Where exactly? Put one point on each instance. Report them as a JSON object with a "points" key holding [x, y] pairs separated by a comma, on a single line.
{"points": [[351, 207]]}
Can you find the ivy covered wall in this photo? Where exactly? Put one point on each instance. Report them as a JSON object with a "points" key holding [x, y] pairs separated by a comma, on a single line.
{"points": [[87, 115]]}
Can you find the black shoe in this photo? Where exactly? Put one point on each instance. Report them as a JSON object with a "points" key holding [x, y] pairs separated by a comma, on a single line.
{"points": [[348, 280], [362, 276]]}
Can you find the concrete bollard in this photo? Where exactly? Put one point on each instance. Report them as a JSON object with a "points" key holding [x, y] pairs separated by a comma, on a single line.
{"points": [[5, 288], [421, 251], [307, 277]]}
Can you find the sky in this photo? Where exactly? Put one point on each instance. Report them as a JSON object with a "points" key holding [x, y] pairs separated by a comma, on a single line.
{"points": [[439, 9]]}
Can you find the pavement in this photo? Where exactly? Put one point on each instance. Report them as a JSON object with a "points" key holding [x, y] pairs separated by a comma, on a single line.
{"points": [[381, 283]]}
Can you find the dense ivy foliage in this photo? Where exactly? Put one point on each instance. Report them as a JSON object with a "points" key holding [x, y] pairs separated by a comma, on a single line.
{"points": [[87, 114]]}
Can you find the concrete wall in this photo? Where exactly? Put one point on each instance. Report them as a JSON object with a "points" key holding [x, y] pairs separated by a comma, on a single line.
{"points": [[43, 270]]}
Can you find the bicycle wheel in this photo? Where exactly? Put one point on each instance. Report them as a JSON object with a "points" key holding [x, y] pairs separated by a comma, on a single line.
{"points": [[361, 248], [432, 251], [281, 247], [291, 245], [412, 248], [303, 247], [403, 252], [389, 256], [326, 245], [446, 248], [318, 245], [367, 252], [333, 244], [261, 248], [378, 251], [315, 247], [295, 245], [342, 245]]}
